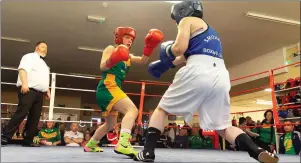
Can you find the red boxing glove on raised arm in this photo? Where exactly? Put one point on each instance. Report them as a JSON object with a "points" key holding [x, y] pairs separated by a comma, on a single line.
{"points": [[121, 53], [152, 40]]}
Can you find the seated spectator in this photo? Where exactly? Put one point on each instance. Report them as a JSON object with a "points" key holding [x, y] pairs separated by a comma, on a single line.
{"points": [[164, 141], [73, 137], [181, 140], [267, 137], [188, 128], [171, 132], [86, 139], [207, 142], [290, 141], [136, 137], [88, 131], [243, 125], [250, 122], [141, 142], [113, 135], [48, 135], [195, 140], [177, 129]]}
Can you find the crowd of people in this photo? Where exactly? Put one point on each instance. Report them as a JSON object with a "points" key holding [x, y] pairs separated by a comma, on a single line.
{"points": [[53, 133], [264, 135]]}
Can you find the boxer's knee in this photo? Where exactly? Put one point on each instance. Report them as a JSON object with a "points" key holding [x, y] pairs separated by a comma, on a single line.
{"points": [[132, 111]]}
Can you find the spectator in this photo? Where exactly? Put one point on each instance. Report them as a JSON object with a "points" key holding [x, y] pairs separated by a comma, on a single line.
{"points": [[195, 140], [141, 142], [88, 131], [188, 129], [181, 140], [267, 138], [113, 135], [250, 122], [207, 142], [134, 140], [164, 141], [73, 137], [243, 125], [172, 132], [178, 130], [33, 83], [86, 139], [136, 137], [290, 141], [48, 135], [258, 122]]}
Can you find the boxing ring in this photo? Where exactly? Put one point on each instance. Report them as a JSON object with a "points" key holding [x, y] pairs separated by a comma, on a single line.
{"points": [[15, 153]]}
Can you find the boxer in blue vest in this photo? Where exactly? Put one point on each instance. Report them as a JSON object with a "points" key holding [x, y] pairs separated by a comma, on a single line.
{"points": [[202, 85]]}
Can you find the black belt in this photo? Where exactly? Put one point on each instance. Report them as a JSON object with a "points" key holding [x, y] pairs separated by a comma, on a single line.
{"points": [[32, 89]]}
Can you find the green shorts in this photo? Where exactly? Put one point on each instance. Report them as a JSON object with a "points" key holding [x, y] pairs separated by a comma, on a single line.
{"points": [[108, 93]]}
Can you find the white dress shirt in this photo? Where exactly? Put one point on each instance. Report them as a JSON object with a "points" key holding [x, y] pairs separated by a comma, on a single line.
{"points": [[37, 72]]}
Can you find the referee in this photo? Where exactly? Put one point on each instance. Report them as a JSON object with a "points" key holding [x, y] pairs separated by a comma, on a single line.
{"points": [[33, 84]]}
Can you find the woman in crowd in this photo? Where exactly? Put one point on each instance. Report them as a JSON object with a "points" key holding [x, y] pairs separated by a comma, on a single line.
{"points": [[267, 137]]}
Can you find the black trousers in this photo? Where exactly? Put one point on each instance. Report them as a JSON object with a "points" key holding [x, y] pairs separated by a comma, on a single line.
{"points": [[263, 145], [30, 105]]}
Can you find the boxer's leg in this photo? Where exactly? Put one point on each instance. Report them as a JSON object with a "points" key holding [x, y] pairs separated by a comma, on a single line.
{"points": [[110, 122], [130, 111], [180, 98], [215, 115]]}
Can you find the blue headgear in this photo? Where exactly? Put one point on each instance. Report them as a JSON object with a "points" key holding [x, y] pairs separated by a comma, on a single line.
{"points": [[185, 9]]}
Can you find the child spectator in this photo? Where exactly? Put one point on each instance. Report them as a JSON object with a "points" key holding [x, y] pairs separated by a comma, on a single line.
{"points": [[49, 136], [290, 141]]}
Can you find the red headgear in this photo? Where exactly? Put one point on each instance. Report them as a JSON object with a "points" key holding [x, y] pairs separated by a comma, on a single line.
{"points": [[121, 31]]}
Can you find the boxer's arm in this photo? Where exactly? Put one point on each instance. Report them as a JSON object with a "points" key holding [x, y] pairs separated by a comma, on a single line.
{"points": [[182, 40], [138, 59], [105, 56], [179, 60]]}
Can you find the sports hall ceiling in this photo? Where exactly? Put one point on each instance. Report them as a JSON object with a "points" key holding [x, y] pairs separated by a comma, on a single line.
{"points": [[64, 26]]}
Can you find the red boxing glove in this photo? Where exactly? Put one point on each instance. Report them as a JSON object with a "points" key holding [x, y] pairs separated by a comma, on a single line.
{"points": [[152, 40], [121, 53]]}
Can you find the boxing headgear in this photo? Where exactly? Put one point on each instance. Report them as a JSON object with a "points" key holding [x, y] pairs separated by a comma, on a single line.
{"points": [[121, 31], [185, 9]]}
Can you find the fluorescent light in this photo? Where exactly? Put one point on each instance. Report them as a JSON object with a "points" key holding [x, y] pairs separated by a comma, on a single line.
{"points": [[15, 39], [268, 90], [264, 102], [89, 49], [96, 19], [272, 18], [173, 1]]}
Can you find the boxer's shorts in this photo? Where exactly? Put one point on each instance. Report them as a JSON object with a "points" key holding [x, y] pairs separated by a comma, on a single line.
{"points": [[201, 86], [108, 93]]}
